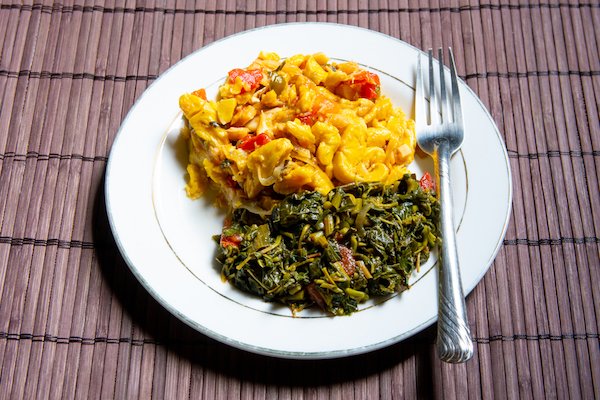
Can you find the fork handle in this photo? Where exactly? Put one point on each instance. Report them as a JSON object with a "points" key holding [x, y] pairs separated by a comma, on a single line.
{"points": [[454, 343]]}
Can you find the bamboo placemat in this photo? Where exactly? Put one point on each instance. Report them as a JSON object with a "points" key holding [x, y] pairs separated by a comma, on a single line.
{"points": [[74, 322]]}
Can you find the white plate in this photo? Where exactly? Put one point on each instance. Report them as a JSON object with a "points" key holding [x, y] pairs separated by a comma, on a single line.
{"points": [[165, 238]]}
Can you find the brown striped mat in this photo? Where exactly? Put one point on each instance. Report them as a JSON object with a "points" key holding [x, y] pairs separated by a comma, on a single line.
{"points": [[75, 323]]}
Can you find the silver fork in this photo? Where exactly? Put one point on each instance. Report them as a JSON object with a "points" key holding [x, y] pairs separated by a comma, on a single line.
{"points": [[440, 138]]}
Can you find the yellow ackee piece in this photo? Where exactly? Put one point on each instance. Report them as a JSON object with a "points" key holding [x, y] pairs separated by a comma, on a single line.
{"points": [[262, 164], [301, 132], [225, 109], [355, 161], [270, 99], [378, 136], [196, 183], [203, 116], [329, 140], [190, 104], [307, 96], [314, 71], [304, 177]]}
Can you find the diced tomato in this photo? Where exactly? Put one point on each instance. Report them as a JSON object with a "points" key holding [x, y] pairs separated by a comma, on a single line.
{"points": [[348, 261], [321, 106], [366, 77], [200, 93], [250, 78], [426, 182], [253, 142], [308, 118], [363, 84], [367, 84], [369, 91], [232, 240]]}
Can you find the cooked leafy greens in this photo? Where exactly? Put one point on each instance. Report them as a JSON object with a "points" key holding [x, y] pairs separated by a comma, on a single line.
{"points": [[335, 251]]}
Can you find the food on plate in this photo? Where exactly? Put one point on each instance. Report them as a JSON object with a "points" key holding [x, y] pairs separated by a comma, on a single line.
{"points": [[280, 126], [333, 250], [310, 160]]}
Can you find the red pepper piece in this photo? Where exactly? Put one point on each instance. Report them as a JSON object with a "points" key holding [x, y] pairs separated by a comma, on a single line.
{"points": [[200, 93], [363, 84], [308, 118], [250, 78], [231, 240], [426, 182], [368, 84], [253, 142]]}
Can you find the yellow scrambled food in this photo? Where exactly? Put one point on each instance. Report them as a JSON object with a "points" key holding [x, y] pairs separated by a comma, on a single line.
{"points": [[280, 126]]}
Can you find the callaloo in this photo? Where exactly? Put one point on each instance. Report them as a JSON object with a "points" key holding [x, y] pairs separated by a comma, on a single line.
{"points": [[336, 250]]}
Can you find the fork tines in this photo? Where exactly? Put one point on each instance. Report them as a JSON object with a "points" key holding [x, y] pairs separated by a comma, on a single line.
{"points": [[448, 110]]}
